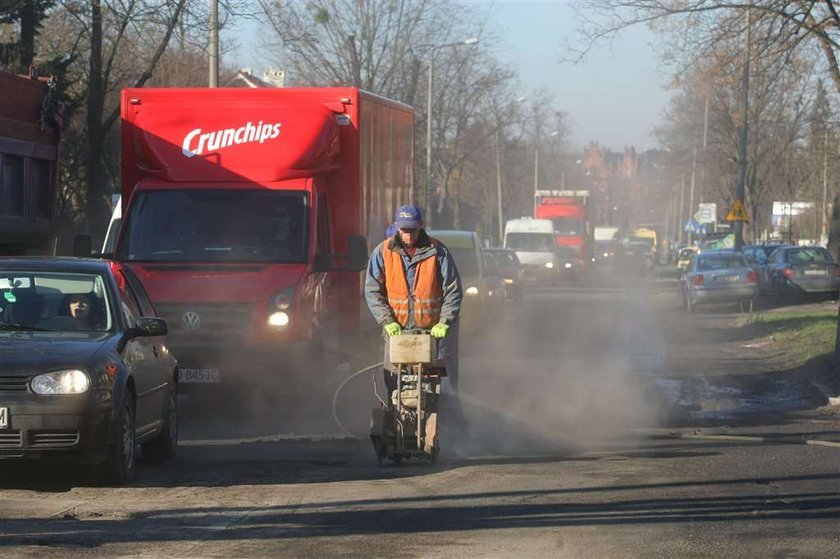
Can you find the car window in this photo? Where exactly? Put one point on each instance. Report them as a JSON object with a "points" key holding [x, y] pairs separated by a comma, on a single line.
{"points": [[139, 294], [490, 268], [718, 262], [54, 301], [808, 255]]}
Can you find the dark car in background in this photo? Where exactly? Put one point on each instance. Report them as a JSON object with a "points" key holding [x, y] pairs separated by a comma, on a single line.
{"points": [[85, 373], [510, 270], [718, 276], [792, 271]]}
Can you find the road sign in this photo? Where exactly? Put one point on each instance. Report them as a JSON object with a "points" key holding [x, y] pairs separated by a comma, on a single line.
{"points": [[707, 213], [738, 212], [690, 226]]}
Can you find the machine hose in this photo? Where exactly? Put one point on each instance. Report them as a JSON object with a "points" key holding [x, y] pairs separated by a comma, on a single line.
{"points": [[341, 387]]}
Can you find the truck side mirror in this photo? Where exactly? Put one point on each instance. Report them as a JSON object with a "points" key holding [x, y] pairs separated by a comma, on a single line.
{"points": [[355, 260], [357, 253], [82, 246]]}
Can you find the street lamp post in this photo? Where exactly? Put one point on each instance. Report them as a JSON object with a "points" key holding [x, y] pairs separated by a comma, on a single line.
{"points": [[429, 113], [537, 161]]}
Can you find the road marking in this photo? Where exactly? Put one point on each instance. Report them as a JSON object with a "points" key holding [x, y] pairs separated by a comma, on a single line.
{"points": [[834, 444]]}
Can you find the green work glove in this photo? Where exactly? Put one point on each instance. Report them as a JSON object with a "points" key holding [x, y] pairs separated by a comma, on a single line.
{"points": [[439, 330], [393, 329]]}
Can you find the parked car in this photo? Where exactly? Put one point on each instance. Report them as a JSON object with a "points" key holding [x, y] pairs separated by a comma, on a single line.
{"points": [[510, 270], [796, 270], [85, 373], [718, 276], [757, 256]]}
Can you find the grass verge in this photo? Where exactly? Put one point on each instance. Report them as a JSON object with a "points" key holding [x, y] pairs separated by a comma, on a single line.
{"points": [[799, 335]]}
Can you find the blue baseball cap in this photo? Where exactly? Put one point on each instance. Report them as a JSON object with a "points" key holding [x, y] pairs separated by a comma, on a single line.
{"points": [[409, 217]]}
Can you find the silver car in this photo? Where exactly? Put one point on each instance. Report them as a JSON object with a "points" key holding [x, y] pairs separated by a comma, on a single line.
{"points": [[718, 276]]}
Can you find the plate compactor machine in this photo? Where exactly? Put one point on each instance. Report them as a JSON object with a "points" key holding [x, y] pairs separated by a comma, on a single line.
{"points": [[406, 426]]}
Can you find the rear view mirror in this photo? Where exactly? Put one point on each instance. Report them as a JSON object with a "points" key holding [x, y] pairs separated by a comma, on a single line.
{"points": [[357, 253], [148, 327], [355, 260]]}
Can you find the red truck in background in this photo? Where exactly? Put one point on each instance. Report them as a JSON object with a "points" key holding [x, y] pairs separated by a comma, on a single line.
{"points": [[245, 213], [569, 211], [29, 137]]}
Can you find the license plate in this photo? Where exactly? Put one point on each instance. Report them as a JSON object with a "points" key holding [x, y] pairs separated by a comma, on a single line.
{"points": [[4, 418], [729, 278], [199, 375], [814, 272]]}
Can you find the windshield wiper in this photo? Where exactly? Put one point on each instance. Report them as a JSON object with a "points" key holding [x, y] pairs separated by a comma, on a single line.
{"points": [[23, 327]]}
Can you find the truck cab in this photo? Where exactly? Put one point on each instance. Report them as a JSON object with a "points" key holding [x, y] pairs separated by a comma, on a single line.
{"points": [[245, 213]]}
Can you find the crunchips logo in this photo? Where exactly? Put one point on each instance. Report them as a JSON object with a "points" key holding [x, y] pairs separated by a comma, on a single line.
{"points": [[405, 214], [196, 142]]}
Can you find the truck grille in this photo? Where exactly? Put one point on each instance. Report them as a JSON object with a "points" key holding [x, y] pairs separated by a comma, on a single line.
{"points": [[203, 323], [14, 383]]}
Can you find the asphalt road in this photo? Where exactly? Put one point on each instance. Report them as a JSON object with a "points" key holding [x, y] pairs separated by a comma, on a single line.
{"points": [[603, 422]]}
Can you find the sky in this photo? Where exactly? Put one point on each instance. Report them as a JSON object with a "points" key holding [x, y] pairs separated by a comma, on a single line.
{"points": [[614, 97]]}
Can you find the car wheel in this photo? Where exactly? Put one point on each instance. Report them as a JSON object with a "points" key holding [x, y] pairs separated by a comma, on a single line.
{"points": [[118, 467], [163, 446]]}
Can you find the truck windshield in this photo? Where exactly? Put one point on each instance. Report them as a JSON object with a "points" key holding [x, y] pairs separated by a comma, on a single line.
{"points": [[567, 225], [530, 242], [212, 225]]}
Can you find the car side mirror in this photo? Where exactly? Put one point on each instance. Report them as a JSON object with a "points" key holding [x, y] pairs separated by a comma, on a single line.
{"points": [[149, 327]]}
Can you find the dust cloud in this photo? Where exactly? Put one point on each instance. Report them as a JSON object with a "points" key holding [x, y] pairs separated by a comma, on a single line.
{"points": [[569, 369]]}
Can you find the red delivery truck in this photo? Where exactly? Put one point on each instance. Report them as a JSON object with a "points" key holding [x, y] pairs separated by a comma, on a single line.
{"points": [[569, 211], [246, 214]]}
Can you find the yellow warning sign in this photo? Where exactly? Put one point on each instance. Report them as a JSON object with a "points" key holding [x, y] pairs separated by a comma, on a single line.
{"points": [[737, 212]]}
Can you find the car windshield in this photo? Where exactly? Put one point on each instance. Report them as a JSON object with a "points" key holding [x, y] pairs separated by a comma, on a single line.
{"points": [[530, 242], [216, 226], [721, 262], [53, 301], [505, 260], [808, 255], [466, 261]]}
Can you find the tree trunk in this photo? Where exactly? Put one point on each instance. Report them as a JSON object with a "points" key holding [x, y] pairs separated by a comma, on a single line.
{"points": [[97, 206], [834, 228], [28, 30]]}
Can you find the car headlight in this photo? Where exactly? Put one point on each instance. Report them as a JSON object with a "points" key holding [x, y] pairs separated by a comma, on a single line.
{"points": [[279, 308], [472, 290], [70, 381], [508, 281], [549, 264], [606, 255], [567, 265]]}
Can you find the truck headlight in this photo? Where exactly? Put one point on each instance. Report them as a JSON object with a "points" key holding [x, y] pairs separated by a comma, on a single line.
{"points": [[549, 264], [279, 308], [69, 381], [472, 290]]}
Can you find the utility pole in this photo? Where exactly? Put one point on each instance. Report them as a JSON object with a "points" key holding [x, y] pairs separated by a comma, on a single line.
{"points": [[499, 186], [740, 190], [703, 153], [214, 43], [824, 230], [682, 207], [691, 196]]}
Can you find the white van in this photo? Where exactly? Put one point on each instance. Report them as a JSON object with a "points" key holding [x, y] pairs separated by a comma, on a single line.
{"points": [[534, 243]]}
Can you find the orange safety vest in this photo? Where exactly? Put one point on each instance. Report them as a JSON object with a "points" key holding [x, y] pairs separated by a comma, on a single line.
{"points": [[428, 293]]}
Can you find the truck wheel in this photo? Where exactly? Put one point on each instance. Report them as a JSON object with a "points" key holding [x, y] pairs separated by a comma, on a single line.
{"points": [[118, 467], [163, 446]]}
